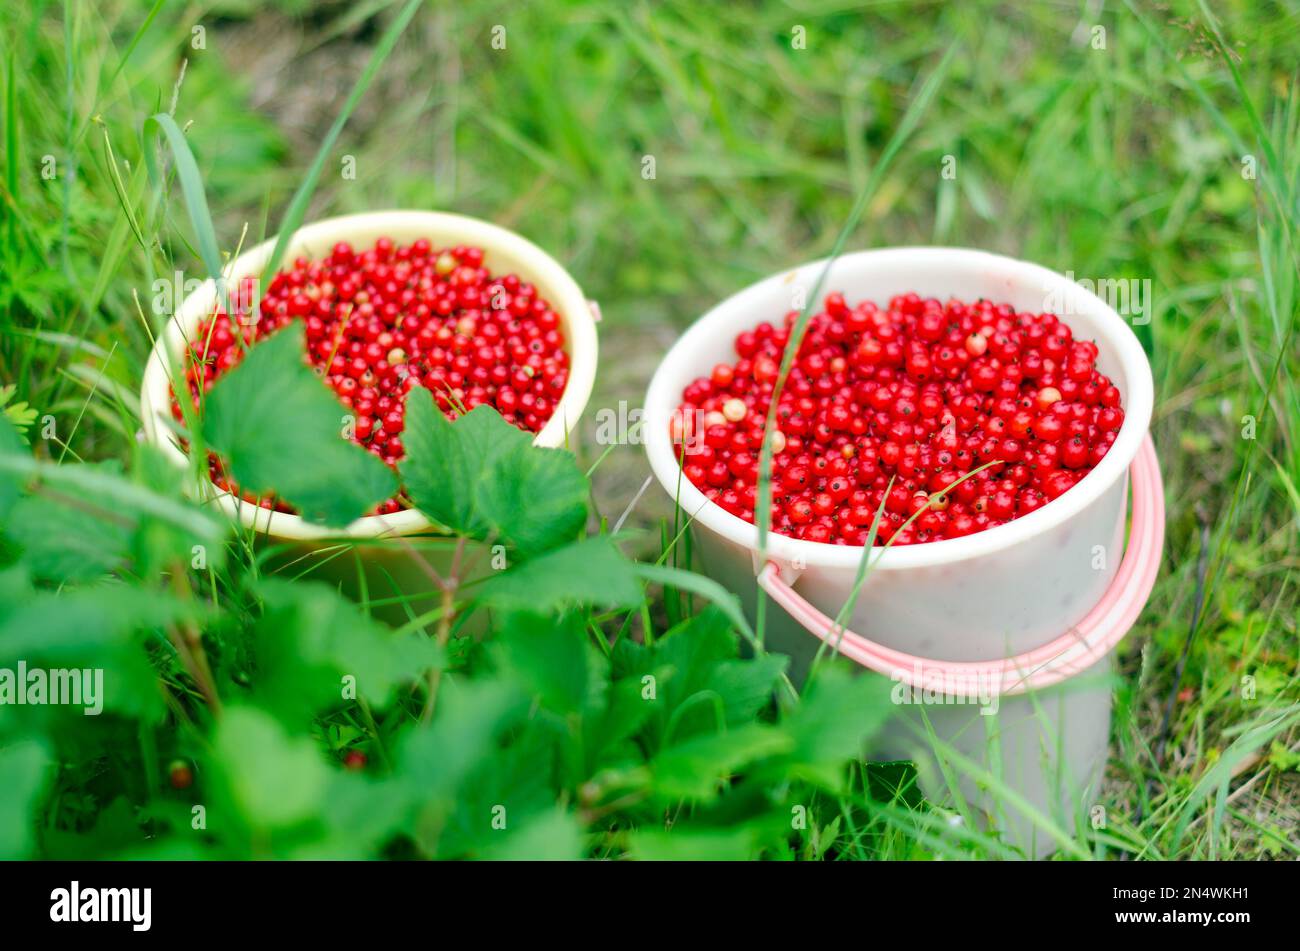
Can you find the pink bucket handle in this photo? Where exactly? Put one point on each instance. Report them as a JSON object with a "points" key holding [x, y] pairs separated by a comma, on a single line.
{"points": [[1073, 652]]}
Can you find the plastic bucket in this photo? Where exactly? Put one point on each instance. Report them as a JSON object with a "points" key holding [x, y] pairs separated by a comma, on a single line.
{"points": [[954, 619], [337, 554]]}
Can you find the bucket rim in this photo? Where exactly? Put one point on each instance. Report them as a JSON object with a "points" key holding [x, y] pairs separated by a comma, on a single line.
{"points": [[578, 315], [710, 334]]}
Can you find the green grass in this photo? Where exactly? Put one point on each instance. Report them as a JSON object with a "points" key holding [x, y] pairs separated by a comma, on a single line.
{"points": [[1122, 162]]}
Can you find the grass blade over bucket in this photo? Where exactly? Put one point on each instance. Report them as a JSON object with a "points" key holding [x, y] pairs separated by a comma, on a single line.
{"points": [[763, 505]]}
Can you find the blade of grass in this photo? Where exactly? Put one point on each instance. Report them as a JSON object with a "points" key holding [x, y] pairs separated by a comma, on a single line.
{"points": [[911, 119], [70, 172], [11, 142], [196, 201], [135, 40], [297, 209], [866, 562], [712, 591]]}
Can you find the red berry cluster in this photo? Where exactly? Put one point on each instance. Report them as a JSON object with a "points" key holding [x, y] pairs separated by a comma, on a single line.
{"points": [[921, 392], [383, 321]]}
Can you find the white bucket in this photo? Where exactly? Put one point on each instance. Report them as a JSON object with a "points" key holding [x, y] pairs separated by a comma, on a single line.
{"points": [[389, 570], [972, 609]]}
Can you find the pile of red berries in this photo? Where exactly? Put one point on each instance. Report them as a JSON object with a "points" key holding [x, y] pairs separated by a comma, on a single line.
{"points": [[383, 321], [921, 392]]}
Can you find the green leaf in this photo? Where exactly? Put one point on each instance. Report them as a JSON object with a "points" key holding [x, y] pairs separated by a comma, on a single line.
{"points": [[158, 544], [18, 414], [116, 828], [69, 537], [15, 588], [552, 657], [702, 685], [445, 462], [702, 845], [280, 430], [114, 492], [838, 713], [705, 587], [273, 779], [70, 531], [606, 737], [458, 773], [470, 716], [746, 686], [693, 647], [483, 478], [536, 499], [11, 484], [362, 815], [551, 836], [24, 774], [695, 769], [505, 791], [53, 626], [592, 571], [104, 627], [310, 638]]}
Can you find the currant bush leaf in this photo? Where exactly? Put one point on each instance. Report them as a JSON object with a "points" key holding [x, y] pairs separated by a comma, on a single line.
{"points": [[445, 461], [746, 686], [69, 537], [696, 768], [839, 712], [310, 637], [363, 814], [11, 483], [535, 498], [103, 518], [159, 544], [551, 836], [470, 718], [483, 478], [107, 626], [702, 686], [553, 658], [116, 829], [607, 739], [592, 571], [24, 773], [513, 785], [271, 779], [685, 845], [281, 431]]}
